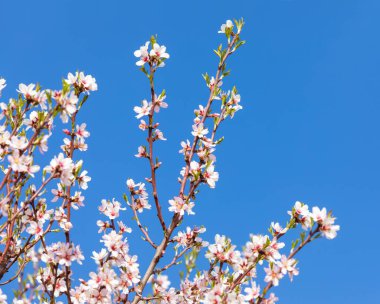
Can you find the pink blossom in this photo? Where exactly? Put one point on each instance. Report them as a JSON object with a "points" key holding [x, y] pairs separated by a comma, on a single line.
{"points": [[22, 163], [143, 126], [99, 256], [83, 179], [288, 266], [199, 130], [159, 135], [273, 275], [226, 26], [143, 54], [213, 81], [252, 292], [27, 90], [141, 152], [327, 227], [144, 110], [63, 167], [2, 84], [211, 176], [111, 209], [185, 147], [19, 143], [113, 242], [159, 103], [278, 229], [36, 229], [81, 131], [82, 81], [178, 205], [271, 300], [159, 51]]}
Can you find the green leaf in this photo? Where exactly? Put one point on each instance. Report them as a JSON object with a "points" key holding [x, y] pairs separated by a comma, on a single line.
{"points": [[65, 87], [142, 69], [226, 73], [163, 93], [83, 101], [219, 140], [153, 39], [206, 78]]}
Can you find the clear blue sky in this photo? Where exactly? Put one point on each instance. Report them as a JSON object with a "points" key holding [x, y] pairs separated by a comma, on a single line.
{"points": [[309, 80]]}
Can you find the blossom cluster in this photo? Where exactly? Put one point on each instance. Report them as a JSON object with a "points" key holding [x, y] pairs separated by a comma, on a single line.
{"points": [[29, 216], [36, 203], [155, 56], [117, 270], [231, 268]]}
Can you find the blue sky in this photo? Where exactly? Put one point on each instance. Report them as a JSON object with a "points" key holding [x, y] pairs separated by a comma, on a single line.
{"points": [[309, 80]]}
